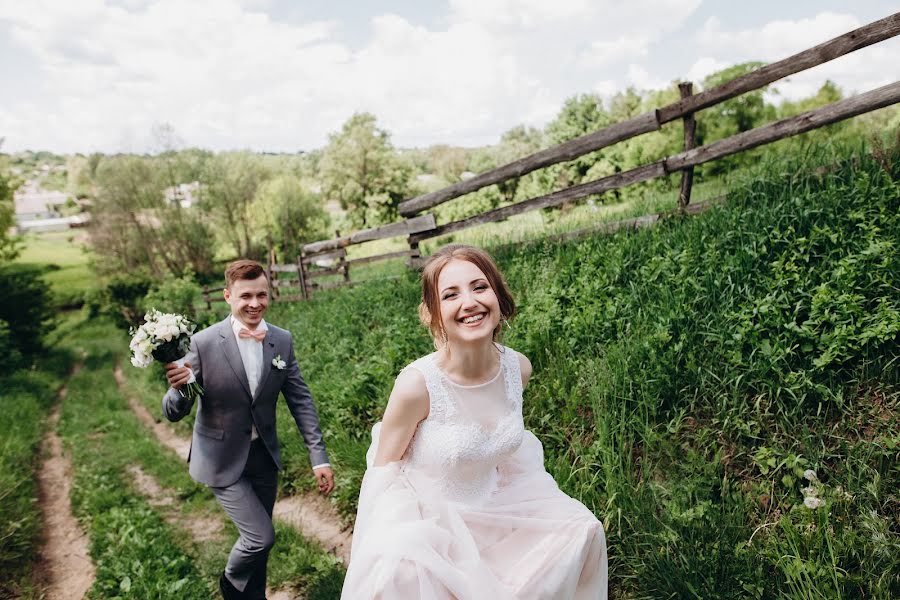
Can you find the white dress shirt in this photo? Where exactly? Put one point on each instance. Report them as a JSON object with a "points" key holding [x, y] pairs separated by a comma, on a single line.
{"points": [[252, 357]]}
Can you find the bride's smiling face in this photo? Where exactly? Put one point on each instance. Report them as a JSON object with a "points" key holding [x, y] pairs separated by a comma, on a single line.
{"points": [[470, 310]]}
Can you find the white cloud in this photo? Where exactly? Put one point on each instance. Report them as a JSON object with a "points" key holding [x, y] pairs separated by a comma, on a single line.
{"points": [[623, 48], [704, 67], [227, 75], [642, 80], [859, 71]]}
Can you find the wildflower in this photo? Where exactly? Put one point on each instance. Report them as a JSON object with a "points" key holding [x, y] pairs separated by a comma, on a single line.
{"points": [[810, 475], [812, 502]]}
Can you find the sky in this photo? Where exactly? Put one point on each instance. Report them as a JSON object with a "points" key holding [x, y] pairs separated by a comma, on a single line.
{"points": [[282, 75]]}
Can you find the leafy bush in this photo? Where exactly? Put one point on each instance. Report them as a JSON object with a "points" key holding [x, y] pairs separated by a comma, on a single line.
{"points": [[173, 295], [124, 297], [26, 306]]}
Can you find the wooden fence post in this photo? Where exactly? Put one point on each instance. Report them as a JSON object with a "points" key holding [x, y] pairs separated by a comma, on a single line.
{"points": [[206, 297], [302, 275], [271, 273], [690, 127]]}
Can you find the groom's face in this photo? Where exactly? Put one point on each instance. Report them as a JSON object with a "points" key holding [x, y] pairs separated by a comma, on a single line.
{"points": [[249, 299]]}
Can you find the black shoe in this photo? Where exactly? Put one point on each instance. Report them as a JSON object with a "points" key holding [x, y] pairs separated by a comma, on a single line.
{"points": [[227, 589]]}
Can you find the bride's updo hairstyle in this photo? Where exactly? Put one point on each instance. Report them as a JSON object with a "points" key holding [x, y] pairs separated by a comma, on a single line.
{"points": [[430, 307]]}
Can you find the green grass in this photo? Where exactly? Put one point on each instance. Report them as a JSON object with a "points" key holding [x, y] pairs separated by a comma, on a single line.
{"points": [[26, 397], [685, 377], [69, 274], [136, 551]]}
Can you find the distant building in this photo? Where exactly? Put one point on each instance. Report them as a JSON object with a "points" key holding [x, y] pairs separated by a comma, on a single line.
{"points": [[53, 224], [32, 202], [186, 194]]}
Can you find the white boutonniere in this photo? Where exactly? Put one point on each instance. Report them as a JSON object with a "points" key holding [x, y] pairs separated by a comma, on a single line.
{"points": [[278, 363]]}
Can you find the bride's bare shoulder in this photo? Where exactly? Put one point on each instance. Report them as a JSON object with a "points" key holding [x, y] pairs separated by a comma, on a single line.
{"points": [[410, 393], [524, 367]]}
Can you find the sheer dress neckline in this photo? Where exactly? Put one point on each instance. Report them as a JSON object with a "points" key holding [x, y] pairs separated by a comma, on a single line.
{"points": [[475, 385]]}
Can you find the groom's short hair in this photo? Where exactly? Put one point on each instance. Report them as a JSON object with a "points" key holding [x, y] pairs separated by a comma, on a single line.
{"points": [[243, 269]]}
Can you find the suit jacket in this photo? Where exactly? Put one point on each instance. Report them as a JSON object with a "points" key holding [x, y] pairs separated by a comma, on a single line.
{"points": [[221, 439]]}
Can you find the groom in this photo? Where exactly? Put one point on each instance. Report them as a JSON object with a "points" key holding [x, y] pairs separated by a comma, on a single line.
{"points": [[243, 363]]}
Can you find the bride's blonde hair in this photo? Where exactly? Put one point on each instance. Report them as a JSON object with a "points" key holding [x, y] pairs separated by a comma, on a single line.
{"points": [[430, 307]]}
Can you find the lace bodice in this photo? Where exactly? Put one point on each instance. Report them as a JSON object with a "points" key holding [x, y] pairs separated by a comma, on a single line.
{"points": [[469, 429]]}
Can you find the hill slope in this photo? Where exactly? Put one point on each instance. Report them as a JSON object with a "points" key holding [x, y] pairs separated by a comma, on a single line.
{"points": [[685, 378]]}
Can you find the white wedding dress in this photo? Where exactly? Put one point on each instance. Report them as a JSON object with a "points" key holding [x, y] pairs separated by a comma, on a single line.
{"points": [[470, 512]]}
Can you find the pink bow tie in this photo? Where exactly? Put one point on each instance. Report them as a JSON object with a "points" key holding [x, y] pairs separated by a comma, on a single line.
{"points": [[256, 335]]}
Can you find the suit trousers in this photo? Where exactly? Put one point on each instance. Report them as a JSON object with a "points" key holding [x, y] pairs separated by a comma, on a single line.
{"points": [[249, 502]]}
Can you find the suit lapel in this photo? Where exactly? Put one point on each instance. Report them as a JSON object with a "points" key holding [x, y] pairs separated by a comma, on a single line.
{"points": [[229, 347], [268, 355]]}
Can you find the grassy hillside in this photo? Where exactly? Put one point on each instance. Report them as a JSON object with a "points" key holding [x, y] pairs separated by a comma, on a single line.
{"points": [[67, 262], [685, 378]]}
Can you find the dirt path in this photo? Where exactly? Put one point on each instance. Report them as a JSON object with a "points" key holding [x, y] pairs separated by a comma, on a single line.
{"points": [[163, 432], [310, 514], [64, 563], [201, 528]]}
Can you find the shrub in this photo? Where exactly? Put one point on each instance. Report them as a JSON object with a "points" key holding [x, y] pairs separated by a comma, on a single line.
{"points": [[126, 294], [26, 305]]}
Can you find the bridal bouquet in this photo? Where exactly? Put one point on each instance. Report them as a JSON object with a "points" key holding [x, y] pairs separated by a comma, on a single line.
{"points": [[165, 337]]}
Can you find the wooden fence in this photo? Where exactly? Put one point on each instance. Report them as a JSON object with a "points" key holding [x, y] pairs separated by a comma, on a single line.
{"points": [[329, 257]]}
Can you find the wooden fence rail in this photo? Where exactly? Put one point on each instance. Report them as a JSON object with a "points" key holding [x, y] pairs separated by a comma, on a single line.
{"points": [[843, 109], [317, 259], [859, 38]]}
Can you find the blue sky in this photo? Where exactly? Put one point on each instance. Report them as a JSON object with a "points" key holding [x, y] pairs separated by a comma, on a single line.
{"points": [[268, 75]]}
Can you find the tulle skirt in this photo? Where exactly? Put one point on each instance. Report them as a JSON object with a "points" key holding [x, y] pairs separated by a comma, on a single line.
{"points": [[525, 540]]}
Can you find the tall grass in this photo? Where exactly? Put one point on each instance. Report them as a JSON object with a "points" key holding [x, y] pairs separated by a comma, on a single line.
{"points": [[685, 378]]}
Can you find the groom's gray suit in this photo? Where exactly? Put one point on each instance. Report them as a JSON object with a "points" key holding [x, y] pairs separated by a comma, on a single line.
{"points": [[243, 475]]}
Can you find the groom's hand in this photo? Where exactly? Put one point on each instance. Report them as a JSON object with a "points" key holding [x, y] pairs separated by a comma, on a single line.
{"points": [[325, 479], [178, 376]]}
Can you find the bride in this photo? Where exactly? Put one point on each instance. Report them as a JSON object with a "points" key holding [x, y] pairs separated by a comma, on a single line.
{"points": [[456, 502]]}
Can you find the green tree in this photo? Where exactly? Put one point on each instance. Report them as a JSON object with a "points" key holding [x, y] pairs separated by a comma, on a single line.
{"points": [[231, 181], [828, 93], [133, 225], [361, 170], [290, 213], [580, 115], [124, 229], [9, 244]]}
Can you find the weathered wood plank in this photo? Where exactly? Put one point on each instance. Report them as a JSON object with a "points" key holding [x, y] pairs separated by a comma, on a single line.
{"points": [[591, 188], [837, 111], [283, 268], [377, 257], [563, 152], [308, 260], [313, 273], [301, 274], [414, 225], [281, 283], [867, 35]]}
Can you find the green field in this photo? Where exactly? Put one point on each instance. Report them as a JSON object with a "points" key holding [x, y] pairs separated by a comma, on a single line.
{"points": [[68, 260], [686, 376]]}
